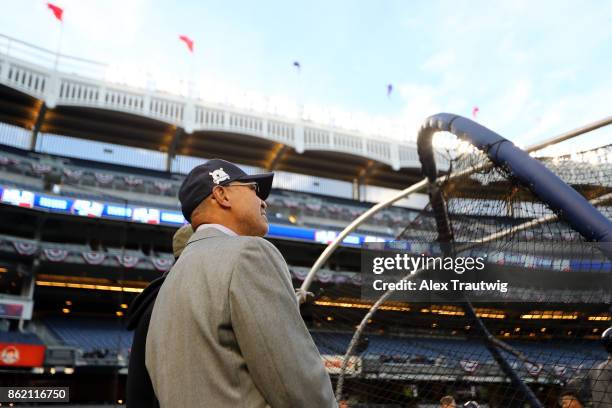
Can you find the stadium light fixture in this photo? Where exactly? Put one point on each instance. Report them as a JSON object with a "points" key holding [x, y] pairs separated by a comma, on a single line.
{"points": [[549, 315], [446, 310], [600, 318], [89, 286], [489, 313], [355, 305]]}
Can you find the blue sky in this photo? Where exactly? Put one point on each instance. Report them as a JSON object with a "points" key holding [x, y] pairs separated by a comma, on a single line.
{"points": [[534, 69]]}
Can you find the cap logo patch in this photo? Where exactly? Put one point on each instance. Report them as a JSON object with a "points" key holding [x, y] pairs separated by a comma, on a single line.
{"points": [[219, 175]]}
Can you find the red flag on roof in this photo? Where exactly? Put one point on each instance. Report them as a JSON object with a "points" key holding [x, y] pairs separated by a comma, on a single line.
{"points": [[475, 111], [188, 42], [57, 11]]}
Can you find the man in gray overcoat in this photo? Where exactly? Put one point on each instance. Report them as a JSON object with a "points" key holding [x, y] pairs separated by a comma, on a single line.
{"points": [[226, 331]]}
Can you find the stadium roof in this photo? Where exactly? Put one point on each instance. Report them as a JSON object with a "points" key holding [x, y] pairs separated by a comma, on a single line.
{"points": [[134, 130]]}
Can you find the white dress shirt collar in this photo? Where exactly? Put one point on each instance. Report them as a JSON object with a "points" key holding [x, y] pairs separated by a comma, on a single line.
{"points": [[219, 227]]}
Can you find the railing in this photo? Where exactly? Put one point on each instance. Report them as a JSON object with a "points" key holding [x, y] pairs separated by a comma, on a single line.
{"points": [[47, 59]]}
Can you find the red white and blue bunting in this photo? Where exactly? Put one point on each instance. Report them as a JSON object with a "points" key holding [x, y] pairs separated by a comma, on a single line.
{"points": [[559, 370], [73, 174], [162, 264], [133, 181], [340, 279], [25, 248], [469, 366], [533, 369], [299, 273], [104, 178], [128, 261], [325, 276], [162, 186], [5, 161], [55, 254], [41, 168], [93, 258]]}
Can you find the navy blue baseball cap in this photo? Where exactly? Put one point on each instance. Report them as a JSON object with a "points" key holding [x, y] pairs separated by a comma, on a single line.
{"points": [[202, 179]]}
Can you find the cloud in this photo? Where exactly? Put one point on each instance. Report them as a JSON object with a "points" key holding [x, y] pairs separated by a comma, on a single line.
{"points": [[440, 62], [421, 101], [510, 105], [112, 31], [571, 112], [534, 69]]}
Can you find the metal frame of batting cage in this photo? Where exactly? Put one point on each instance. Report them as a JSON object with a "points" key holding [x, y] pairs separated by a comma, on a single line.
{"points": [[529, 172], [484, 139]]}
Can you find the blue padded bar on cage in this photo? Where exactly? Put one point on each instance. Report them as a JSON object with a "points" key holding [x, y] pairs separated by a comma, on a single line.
{"points": [[560, 197]]}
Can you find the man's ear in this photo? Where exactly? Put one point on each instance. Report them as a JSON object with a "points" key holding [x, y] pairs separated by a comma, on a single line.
{"points": [[219, 194]]}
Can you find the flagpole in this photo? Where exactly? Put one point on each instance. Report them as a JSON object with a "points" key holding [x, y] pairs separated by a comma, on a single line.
{"points": [[191, 90], [300, 90], [301, 85], [59, 46]]}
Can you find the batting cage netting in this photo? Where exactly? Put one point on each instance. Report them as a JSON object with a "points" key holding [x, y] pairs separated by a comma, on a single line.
{"points": [[541, 225]]}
